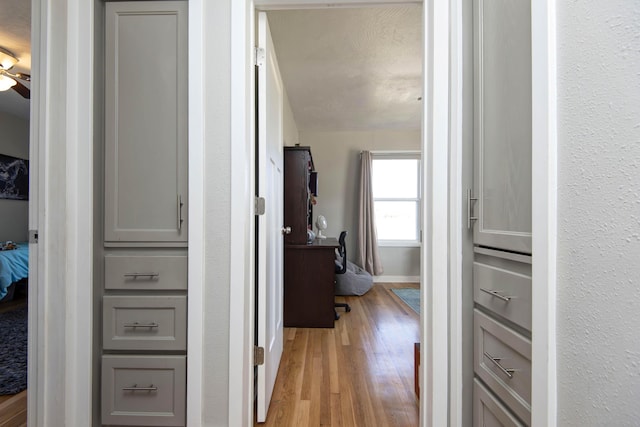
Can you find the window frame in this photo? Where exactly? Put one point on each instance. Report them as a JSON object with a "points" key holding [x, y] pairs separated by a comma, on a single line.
{"points": [[401, 155]]}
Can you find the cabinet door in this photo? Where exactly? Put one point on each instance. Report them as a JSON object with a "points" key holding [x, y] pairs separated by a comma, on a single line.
{"points": [[296, 195], [146, 122], [503, 124]]}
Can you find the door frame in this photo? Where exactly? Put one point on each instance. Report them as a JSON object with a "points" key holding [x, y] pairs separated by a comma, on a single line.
{"points": [[443, 222], [435, 127], [60, 353], [544, 212]]}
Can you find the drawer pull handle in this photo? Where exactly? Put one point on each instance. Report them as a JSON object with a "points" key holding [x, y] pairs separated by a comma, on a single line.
{"points": [[496, 361], [141, 325], [496, 294], [136, 388], [180, 220], [136, 275]]}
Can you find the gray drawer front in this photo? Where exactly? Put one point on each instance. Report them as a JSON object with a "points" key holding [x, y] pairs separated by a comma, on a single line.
{"points": [[497, 347], [144, 322], [144, 390], [145, 272], [504, 292], [488, 411]]}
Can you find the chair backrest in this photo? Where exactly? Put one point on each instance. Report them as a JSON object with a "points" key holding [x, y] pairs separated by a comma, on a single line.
{"points": [[342, 251]]}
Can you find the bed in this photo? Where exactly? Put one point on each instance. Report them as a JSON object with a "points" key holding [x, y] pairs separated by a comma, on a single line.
{"points": [[14, 266]]}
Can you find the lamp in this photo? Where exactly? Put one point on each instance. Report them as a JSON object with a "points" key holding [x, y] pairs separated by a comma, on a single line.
{"points": [[321, 223], [6, 83]]}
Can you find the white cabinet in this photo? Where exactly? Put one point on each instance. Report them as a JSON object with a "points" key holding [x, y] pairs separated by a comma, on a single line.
{"points": [[499, 210], [144, 286], [146, 122]]}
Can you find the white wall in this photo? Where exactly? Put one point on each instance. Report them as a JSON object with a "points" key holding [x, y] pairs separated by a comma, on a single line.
{"points": [[336, 156], [217, 202], [598, 297], [14, 213], [290, 129]]}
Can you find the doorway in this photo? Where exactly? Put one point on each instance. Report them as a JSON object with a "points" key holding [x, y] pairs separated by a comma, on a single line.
{"points": [[15, 63], [344, 142]]}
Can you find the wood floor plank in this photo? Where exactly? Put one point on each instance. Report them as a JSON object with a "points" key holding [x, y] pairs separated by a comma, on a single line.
{"points": [[358, 374], [13, 410]]}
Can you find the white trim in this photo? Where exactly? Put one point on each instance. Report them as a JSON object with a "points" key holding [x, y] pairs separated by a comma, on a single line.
{"points": [[544, 214], [323, 4], [242, 258], [196, 252], [61, 324], [396, 154], [400, 243], [434, 275], [79, 213], [35, 364], [396, 279], [456, 417]]}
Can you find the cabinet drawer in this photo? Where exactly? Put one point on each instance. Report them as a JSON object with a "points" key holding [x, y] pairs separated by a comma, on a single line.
{"points": [[488, 411], [144, 322], [502, 359], [504, 292], [145, 272], [144, 390]]}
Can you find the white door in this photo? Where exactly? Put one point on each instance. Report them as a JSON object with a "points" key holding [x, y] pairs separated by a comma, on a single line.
{"points": [[269, 234]]}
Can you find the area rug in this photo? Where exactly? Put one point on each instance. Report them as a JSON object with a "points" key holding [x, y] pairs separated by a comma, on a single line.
{"points": [[410, 296], [13, 351]]}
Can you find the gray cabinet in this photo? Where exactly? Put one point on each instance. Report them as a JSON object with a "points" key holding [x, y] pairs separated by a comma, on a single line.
{"points": [[488, 411], [502, 122], [144, 287], [502, 360], [499, 208], [144, 390], [145, 271], [144, 322], [146, 122]]}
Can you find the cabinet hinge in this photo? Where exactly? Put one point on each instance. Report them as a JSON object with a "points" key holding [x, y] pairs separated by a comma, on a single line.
{"points": [[33, 236], [259, 55], [470, 202], [258, 356], [259, 206]]}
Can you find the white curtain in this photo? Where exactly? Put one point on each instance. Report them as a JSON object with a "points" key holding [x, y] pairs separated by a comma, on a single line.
{"points": [[368, 256]]}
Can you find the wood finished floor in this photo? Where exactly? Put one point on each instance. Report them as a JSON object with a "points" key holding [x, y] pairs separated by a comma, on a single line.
{"points": [[13, 408], [358, 374]]}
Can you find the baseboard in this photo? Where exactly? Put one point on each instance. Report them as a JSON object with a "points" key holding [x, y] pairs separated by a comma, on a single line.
{"points": [[396, 279]]}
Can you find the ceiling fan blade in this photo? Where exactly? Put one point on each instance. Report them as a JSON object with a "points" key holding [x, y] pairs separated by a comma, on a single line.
{"points": [[23, 76], [22, 90]]}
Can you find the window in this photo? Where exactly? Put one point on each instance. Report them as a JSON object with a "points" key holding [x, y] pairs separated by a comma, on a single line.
{"points": [[396, 198]]}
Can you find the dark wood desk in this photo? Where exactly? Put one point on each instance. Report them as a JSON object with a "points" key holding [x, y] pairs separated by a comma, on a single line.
{"points": [[309, 284]]}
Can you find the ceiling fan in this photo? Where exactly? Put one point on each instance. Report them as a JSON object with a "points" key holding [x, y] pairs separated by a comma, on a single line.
{"points": [[9, 80]]}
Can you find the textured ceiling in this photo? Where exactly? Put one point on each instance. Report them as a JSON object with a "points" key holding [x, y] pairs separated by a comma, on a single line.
{"points": [[351, 69], [15, 36], [343, 69]]}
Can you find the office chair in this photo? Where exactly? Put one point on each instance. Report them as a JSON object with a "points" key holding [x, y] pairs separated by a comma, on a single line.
{"points": [[341, 268]]}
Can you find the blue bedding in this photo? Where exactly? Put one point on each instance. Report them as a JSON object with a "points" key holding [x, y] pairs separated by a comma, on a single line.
{"points": [[14, 265]]}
